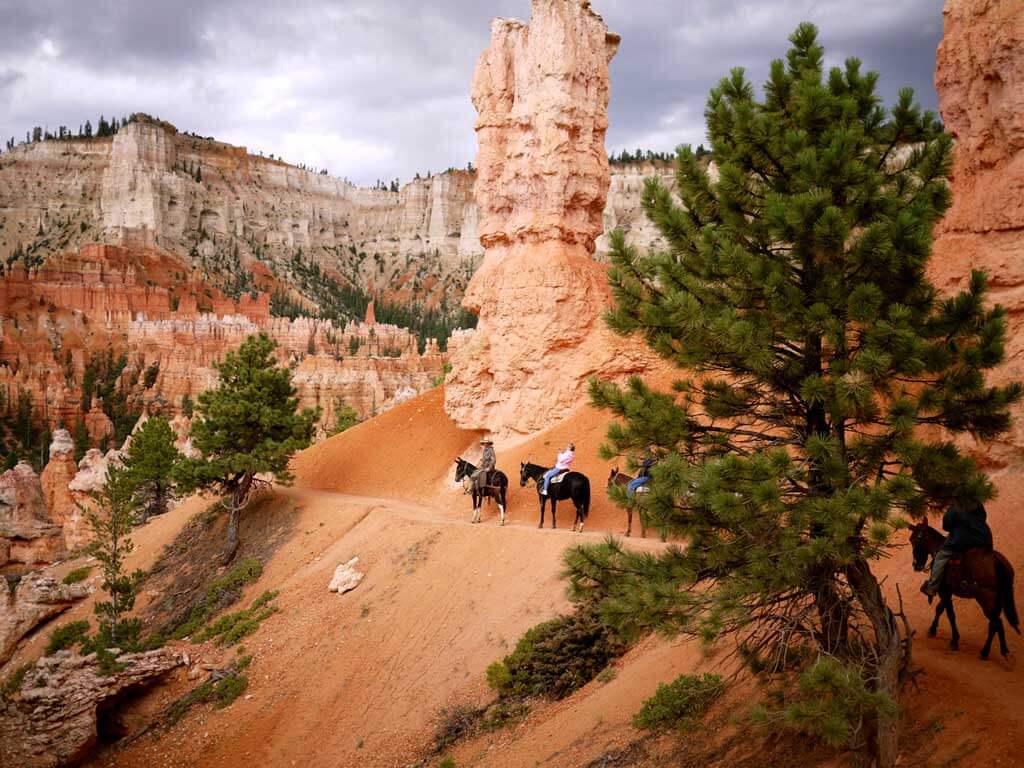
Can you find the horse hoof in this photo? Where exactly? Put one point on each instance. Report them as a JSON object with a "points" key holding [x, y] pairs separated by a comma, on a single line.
{"points": [[932, 632], [983, 656], [954, 646]]}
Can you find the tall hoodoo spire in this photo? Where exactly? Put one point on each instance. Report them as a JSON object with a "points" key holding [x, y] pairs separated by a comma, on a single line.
{"points": [[541, 92]]}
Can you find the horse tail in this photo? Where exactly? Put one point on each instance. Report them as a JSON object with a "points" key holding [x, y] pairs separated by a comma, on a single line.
{"points": [[586, 498], [1004, 575]]}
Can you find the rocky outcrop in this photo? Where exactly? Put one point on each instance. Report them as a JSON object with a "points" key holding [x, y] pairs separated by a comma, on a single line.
{"points": [[52, 720], [55, 479], [980, 80], [28, 536], [541, 92], [35, 599]]}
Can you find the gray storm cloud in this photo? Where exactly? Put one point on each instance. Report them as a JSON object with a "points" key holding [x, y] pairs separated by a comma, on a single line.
{"points": [[380, 90]]}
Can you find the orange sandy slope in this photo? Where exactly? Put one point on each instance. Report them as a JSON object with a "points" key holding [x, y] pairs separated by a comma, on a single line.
{"points": [[357, 680]]}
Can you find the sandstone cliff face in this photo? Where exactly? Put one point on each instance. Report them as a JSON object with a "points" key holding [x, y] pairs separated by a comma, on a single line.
{"points": [[541, 92], [980, 79], [139, 188]]}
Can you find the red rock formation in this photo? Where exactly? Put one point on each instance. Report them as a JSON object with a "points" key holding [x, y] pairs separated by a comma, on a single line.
{"points": [[51, 721], [980, 79], [28, 534], [60, 505], [36, 599], [541, 92]]}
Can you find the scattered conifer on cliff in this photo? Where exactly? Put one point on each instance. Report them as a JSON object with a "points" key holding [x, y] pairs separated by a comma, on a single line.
{"points": [[249, 425]]}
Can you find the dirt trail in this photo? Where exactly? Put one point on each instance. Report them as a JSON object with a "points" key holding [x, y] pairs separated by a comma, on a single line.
{"points": [[356, 680]]}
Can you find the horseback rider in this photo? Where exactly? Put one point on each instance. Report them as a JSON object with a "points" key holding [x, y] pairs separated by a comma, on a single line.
{"points": [[488, 461], [967, 529], [645, 474], [563, 464]]}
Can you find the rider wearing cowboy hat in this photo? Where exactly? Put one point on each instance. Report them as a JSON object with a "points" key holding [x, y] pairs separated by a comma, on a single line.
{"points": [[488, 461]]}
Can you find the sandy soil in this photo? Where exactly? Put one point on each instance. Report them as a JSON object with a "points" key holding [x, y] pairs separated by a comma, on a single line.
{"points": [[357, 680]]}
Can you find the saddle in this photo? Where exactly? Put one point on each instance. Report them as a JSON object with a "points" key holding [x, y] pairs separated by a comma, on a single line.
{"points": [[958, 574], [558, 478]]}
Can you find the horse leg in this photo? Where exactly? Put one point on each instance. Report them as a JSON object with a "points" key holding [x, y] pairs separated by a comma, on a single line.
{"points": [[476, 508], [543, 501], [501, 505], [554, 503], [987, 648], [629, 521], [947, 598], [1001, 629], [934, 628]]}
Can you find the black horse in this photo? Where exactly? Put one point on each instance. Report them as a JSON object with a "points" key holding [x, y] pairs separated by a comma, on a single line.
{"points": [[496, 488], [573, 485]]}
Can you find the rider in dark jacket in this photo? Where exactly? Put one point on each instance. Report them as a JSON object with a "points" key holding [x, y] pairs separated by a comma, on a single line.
{"points": [[967, 529]]}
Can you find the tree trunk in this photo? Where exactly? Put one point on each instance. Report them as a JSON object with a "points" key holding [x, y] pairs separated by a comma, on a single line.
{"points": [[238, 499], [883, 738]]}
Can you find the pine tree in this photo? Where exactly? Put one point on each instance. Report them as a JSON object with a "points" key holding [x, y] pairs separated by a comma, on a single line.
{"points": [[150, 462], [345, 417], [111, 519], [793, 293], [248, 426], [83, 441]]}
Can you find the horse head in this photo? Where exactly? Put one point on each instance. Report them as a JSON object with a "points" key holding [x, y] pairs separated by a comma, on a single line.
{"points": [[523, 477], [461, 469], [613, 476], [920, 545]]}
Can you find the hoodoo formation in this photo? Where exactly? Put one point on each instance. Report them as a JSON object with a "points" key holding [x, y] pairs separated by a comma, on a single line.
{"points": [[980, 79], [541, 93]]}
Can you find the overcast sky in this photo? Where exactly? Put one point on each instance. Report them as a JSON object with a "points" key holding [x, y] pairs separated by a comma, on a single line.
{"points": [[380, 88]]}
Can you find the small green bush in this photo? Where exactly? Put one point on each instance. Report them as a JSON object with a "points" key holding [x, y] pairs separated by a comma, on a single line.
{"points": [[77, 575], [233, 627], [14, 682], [455, 724], [229, 689], [832, 703], [221, 593], [503, 714], [557, 657], [108, 663], [680, 704], [447, 763], [67, 636], [222, 692]]}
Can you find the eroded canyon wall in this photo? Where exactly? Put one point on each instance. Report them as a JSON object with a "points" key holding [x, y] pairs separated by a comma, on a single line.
{"points": [[980, 80], [225, 212], [541, 92]]}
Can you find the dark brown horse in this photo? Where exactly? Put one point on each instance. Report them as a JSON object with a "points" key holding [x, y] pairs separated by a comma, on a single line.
{"points": [[617, 478], [979, 574]]}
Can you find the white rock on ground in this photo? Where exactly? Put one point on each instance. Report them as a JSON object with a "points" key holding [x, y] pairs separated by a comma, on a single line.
{"points": [[346, 577]]}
